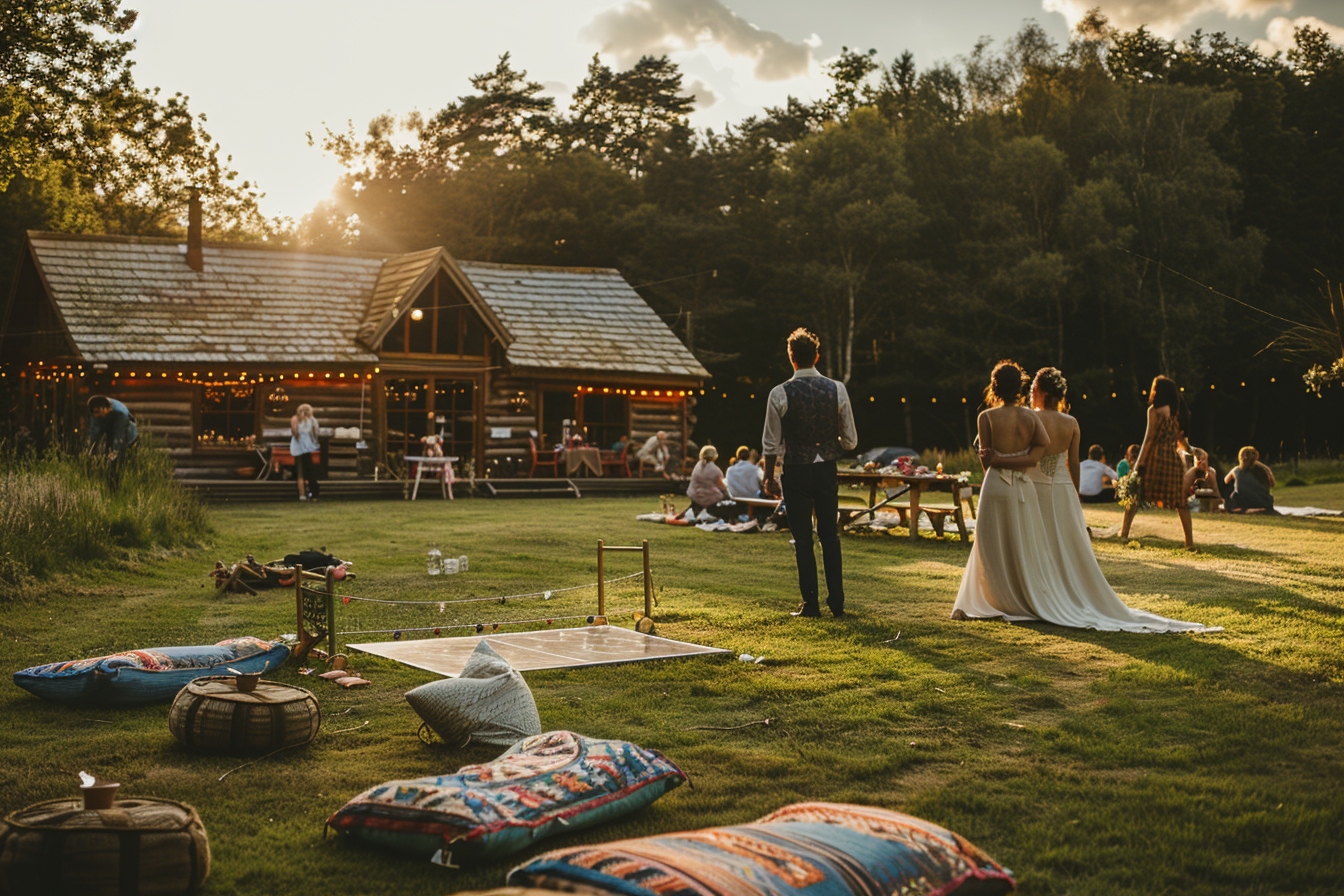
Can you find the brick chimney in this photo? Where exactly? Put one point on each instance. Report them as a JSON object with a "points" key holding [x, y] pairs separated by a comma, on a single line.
{"points": [[195, 259]]}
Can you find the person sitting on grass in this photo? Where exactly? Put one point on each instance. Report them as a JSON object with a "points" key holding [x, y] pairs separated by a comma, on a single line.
{"points": [[1128, 462], [1251, 482], [112, 427], [1092, 478], [706, 487], [1201, 474], [743, 477]]}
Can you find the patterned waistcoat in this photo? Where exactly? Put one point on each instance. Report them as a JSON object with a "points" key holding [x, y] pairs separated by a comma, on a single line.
{"points": [[811, 425]]}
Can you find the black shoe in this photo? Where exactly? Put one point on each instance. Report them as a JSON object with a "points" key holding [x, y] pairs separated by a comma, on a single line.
{"points": [[807, 612], [838, 612]]}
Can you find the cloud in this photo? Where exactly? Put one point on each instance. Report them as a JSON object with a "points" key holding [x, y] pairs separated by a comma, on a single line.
{"points": [[1165, 17], [638, 28], [1279, 32], [703, 93]]}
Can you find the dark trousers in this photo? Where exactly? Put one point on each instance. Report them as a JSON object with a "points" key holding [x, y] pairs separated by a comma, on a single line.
{"points": [[808, 488], [1105, 496], [306, 468]]}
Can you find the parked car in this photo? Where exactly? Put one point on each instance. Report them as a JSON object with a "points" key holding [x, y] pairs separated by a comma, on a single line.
{"points": [[885, 455]]}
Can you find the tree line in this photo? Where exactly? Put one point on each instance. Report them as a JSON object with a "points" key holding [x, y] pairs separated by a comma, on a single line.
{"points": [[1119, 206]]}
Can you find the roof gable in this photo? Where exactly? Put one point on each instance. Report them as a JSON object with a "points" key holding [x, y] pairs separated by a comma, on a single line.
{"points": [[402, 280]]}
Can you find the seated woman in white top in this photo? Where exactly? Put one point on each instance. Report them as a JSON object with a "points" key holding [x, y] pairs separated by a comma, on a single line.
{"points": [[1092, 476], [743, 477], [707, 486]]}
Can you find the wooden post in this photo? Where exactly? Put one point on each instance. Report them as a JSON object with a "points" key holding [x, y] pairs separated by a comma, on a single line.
{"points": [[648, 583], [601, 584], [331, 612], [298, 596]]}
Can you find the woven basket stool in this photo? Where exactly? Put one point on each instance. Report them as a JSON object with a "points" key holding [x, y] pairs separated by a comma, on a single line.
{"points": [[147, 847], [211, 714]]}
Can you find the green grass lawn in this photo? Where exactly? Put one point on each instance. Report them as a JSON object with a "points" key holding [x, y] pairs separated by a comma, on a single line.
{"points": [[1087, 762]]}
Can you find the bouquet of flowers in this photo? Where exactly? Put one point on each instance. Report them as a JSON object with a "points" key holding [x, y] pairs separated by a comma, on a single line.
{"points": [[1129, 491]]}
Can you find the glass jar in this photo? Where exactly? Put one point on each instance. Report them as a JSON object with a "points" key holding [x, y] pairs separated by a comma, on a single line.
{"points": [[450, 565], [434, 562], [462, 563]]}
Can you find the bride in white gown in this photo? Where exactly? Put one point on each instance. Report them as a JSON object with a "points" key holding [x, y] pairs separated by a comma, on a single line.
{"points": [[1010, 570], [1094, 603], [1037, 561]]}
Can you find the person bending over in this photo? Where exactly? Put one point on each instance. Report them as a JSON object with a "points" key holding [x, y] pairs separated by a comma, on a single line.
{"points": [[112, 428]]}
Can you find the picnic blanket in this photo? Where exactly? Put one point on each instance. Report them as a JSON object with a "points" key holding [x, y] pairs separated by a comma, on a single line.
{"points": [[1307, 511]]}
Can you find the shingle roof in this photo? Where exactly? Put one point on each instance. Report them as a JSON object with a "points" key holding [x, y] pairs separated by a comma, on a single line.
{"points": [[126, 299], [579, 318], [135, 299]]}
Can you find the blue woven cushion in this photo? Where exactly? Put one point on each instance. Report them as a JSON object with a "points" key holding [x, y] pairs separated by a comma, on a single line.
{"points": [[540, 786], [816, 849]]}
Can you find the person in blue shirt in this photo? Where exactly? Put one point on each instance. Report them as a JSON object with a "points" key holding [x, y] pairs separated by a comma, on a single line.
{"points": [[111, 427]]}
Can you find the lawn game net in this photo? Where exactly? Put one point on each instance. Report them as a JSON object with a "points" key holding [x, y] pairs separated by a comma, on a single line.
{"points": [[569, 625]]}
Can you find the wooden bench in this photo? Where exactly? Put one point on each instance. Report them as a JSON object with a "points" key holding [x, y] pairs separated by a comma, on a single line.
{"points": [[937, 514]]}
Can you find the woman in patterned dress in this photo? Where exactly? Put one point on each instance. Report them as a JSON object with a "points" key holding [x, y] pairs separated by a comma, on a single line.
{"points": [[1161, 467]]}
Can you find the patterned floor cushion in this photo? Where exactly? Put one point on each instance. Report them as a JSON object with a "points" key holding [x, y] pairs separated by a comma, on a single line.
{"points": [[821, 849], [487, 703], [542, 785], [147, 676]]}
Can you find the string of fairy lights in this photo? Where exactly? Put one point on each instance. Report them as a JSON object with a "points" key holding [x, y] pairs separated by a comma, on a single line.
{"points": [[41, 371]]}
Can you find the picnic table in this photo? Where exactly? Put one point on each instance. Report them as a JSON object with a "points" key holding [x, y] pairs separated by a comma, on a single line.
{"points": [[443, 467], [914, 486]]}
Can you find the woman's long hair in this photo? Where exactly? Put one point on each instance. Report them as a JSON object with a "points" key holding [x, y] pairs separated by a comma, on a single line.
{"points": [[1005, 384], [1165, 393], [304, 412]]}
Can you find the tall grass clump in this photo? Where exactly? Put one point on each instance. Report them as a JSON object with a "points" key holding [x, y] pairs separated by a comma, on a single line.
{"points": [[63, 511]]}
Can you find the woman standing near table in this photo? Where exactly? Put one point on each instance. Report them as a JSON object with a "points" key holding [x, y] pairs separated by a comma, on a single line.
{"points": [[1161, 469], [303, 429]]}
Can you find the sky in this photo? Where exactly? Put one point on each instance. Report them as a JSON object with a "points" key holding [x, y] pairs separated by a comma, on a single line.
{"points": [[267, 72]]}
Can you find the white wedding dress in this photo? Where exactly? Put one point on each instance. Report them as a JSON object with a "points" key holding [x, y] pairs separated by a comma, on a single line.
{"points": [[1032, 559], [1093, 602], [1010, 572]]}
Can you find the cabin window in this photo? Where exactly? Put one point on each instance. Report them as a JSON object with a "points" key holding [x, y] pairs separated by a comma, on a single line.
{"points": [[605, 418], [228, 414], [418, 407], [440, 322]]}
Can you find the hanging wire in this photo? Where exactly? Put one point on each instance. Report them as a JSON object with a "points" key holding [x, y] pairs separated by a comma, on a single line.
{"points": [[472, 625], [480, 600]]}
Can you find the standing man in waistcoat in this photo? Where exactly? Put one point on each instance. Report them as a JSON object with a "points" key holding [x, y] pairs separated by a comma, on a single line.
{"points": [[809, 422]]}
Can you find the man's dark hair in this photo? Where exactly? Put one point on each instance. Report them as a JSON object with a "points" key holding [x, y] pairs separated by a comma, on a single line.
{"points": [[804, 346], [1096, 452], [98, 402]]}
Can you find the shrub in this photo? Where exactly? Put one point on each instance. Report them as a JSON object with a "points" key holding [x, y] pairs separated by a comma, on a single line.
{"points": [[62, 511]]}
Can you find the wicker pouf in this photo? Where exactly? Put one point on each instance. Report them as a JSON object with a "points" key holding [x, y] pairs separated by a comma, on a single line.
{"points": [[212, 714], [145, 846]]}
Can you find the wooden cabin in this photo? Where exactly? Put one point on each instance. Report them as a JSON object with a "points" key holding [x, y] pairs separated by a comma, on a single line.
{"points": [[213, 345]]}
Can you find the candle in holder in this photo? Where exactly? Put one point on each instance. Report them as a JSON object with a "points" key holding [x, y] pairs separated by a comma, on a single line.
{"points": [[97, 794]]}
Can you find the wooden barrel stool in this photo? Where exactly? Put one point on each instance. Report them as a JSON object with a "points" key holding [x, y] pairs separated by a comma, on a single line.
{"points": [[213, 715], [144, 846]]}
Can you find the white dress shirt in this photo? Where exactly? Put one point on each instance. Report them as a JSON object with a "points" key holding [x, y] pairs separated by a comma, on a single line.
{"points": [[1089, 476], [772, 440]]}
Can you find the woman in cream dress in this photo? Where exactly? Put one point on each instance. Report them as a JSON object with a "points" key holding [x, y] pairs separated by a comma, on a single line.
{"points": [[1091, 602], [1010, 570]]}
